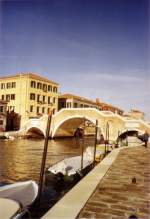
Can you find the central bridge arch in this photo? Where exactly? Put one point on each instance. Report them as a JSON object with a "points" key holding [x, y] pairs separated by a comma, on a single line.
{"points": [[67, 120], [68, 126]]}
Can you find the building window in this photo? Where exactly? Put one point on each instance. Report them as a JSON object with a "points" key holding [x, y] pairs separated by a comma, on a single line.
{"points": [[37, 109], [49, 87], [54, 99], [8, 97], [49, 100], [12, 96], [53, 111], [8, 85], [44, 98], [38, 98], [3, 97], [48, 110], [44, 87], [13, 84], [1, 109], [31, 109], [39, 85], [1, 122], [68, 105], [33, 84], [75, 105], [12, 108], [2, 86], [43, 109], [32, 96], [55, 89]]}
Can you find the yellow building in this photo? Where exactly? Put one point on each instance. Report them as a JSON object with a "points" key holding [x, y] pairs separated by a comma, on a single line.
{"points": [[3, 115], [135, 114], [73, 101], [29, 95]]}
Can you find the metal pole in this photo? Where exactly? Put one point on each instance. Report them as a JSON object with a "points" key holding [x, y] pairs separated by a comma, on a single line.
{"points": [[44, 159], [95, 143]]}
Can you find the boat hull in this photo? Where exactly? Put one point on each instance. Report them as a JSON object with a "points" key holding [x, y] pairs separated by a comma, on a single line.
{"points": [[61, 181]]}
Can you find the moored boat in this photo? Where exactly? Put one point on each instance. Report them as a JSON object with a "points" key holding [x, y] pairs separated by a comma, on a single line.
{"points": [[23, 193], [70, 170]]}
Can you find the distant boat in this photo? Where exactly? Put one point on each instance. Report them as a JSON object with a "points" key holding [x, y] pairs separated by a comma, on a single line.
{"points": [[23, 193], [69, 170]]}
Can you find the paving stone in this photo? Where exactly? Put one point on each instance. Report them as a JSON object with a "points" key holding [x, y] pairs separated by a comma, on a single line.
{"points": [[116, 197]]}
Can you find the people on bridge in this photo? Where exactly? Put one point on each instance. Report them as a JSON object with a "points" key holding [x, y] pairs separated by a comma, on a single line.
{"points": [[101, 140], [79, 133], [144, 138]]}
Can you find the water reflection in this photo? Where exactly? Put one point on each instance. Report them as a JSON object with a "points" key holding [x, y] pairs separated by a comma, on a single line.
{"points": [[21, 159]]}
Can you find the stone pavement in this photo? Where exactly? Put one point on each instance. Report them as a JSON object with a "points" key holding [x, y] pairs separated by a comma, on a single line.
{"points": [[116, 196]]}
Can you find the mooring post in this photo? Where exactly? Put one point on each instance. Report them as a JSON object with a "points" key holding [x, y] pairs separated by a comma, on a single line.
{"points": [[107, 138], [127, 139], [44, 159], [83, 141], [95, 143]]}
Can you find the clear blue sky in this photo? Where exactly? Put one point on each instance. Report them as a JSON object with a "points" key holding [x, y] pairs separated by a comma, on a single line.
{"points": [[93, 48]]}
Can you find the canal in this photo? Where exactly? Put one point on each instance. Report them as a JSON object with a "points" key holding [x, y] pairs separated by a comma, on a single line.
{"points": [[20, 159]]}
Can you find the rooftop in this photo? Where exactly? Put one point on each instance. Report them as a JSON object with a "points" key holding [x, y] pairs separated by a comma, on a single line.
{"points": [[96, 103], [30, 75], [66, 96]]}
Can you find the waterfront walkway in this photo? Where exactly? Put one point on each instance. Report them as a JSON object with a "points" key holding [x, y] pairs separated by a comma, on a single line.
{"points": [[116, 196]]}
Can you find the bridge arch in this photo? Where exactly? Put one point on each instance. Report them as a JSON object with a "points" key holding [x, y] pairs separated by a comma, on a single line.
{"points": [[35, 131], [70, 124]]}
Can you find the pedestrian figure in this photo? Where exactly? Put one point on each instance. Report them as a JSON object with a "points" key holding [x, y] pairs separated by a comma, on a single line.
{"points": [[133, 180], [133, 216], [145, 138], [101, 140]]}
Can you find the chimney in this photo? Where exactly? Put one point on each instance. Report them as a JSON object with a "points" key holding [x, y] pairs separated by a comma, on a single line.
{"points": [[98, 100]]}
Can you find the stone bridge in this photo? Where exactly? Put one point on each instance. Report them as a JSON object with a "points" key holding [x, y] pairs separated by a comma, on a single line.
{"points": [[66, 121]]}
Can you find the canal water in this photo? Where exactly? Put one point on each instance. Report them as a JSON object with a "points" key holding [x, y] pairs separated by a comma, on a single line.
{"points": [[20, 160]]}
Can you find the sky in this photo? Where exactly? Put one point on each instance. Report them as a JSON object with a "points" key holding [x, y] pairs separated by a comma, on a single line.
{"points": [[93, 48]]}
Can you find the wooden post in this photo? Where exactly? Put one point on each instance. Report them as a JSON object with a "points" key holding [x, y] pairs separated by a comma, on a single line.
{"points": [[117, 142], [127, 139], [95, 143], [83, 141], [44, 159], [107, 138]]}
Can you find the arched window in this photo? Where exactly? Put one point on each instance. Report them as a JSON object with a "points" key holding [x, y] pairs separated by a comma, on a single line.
{"points": [[33, 84], [45, 87], [49, 87], [39, 85], [55, 89]]}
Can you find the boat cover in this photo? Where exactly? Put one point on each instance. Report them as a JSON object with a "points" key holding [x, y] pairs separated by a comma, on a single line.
{"points": [[22, 192]]}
